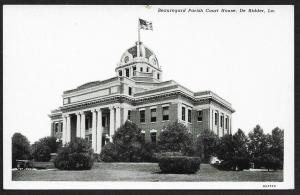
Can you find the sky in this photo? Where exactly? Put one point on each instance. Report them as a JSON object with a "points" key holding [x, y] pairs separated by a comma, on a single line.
{"points": [[246, 58]]}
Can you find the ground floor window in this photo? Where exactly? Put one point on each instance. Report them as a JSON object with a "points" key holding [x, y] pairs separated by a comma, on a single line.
{"points": [[142, 116], [189, 115], [153, 137]]}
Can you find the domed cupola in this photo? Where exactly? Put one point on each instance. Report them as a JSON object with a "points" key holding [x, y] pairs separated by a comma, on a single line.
{"points": [[139, 62]]}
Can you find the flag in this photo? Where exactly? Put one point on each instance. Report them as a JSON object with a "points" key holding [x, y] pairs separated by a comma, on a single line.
{"points": [[145, 25]]}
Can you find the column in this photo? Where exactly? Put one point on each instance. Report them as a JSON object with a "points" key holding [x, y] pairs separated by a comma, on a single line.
{"points": [[118, 117], [111, 122], [78, 131], [94, 130], [125, 115], [68, 131], [179, 110], [82, 128], [64, 133], [52, 128], [99, 131]]}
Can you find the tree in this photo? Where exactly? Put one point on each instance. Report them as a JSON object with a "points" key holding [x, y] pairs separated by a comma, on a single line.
{"points": [[277, 147], [176, 138], [258, 145], [42, 149], [20, 148], [233, 151], [128, 141], [206, 144]]}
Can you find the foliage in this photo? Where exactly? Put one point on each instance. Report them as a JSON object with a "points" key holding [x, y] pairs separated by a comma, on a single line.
{"points": [[109, 153], [148, 151], [40, 152], [42, 149], [277, 143], [258, 143], [76, 155], [128, 141], [20, 148], [179, 164], [176, 138], [206, 144], [233, 151]]}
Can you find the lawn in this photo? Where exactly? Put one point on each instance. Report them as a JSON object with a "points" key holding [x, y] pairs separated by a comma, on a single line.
{"points": [[142, 172]]}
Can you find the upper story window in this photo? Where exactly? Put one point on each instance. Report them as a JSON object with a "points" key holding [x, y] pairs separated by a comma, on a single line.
{"points": [[158, 76], [216, 118], [165, 113], [134, 69], [153, 115], [142, 116], [120, 73], [199, 115], [129, 91], [222, 121], [127, 72], [129, 114], [183, 113], [189, 115], [141, 69], [147, 69]]}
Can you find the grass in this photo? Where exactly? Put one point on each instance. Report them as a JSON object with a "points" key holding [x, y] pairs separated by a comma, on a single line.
{"points": [[141, 172]]}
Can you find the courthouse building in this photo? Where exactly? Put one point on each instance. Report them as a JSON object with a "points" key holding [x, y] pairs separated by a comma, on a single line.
{"points": [[95, 110]]}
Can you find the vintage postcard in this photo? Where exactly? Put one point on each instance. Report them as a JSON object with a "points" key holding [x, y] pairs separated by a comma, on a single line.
{"points": [[148, 96]]}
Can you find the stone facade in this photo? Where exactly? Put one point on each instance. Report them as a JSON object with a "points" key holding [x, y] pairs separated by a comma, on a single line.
{"points": [[95, 110]]}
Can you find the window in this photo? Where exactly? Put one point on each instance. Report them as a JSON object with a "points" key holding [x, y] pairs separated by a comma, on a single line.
{"points": [[142, 116], [141, 69], [183, 113], [143, 135], [127, 72], [165, 113], [153, 137], [147, 69], [129, 114], [216, 118], [129, 90], [222, 121], [199, 115], [120, 73], [158, 76], [226, 123], [103, 121], [126, 59], [56, 127], [189, 115], [134, 69], [153, 115]]}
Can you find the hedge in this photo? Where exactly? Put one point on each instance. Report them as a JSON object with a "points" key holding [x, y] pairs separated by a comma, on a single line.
{"points": [[179, 164]]}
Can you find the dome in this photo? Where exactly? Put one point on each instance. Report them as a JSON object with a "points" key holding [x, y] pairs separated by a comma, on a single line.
{"points": [[145, 55]]}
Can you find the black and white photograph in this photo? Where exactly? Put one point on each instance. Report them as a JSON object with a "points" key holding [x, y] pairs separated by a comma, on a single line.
{"points": [[148, 97]]}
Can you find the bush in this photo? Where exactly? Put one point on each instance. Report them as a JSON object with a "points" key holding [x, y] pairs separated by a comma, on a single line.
{"points": [[176, 138], [268, 161], [20, 148], [148, 152], [234, 164], [41, 152], [77, 155], [206, 144], [128, 142], [179, 164], [109, 153]]}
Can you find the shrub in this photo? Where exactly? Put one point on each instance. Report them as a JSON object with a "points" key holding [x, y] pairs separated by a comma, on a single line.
{"points": [[41, 152], [20, 148], [269, 161], [77, 155], [176, 138], [148, 152], [179, 164], [128, 142], [109, 153]]}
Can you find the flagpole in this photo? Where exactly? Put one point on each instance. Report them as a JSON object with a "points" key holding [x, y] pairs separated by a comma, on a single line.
{"points": [[139, 39]]}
